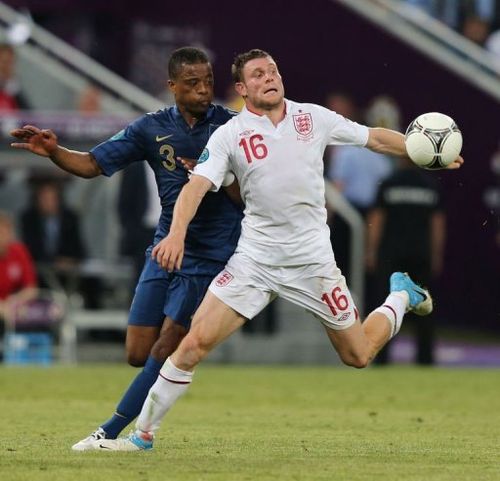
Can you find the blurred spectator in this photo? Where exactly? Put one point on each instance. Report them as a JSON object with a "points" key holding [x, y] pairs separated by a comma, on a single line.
{"points": [[455, 13], [10, 88], [233, 100], [406, 232], [139, 211], [89, 101], [492, 44], [52, 233], [476, 29], [17, 272], [355, 171], [446, 11]]}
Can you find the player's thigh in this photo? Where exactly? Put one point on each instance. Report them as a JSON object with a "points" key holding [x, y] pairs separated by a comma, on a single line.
{"points": [[146, 315], [214, 320], [139, 342], [351, 343], [185, 293]]}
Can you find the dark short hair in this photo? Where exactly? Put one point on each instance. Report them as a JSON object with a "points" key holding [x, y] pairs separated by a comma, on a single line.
{"points": [[242, 59], [185, 55]]}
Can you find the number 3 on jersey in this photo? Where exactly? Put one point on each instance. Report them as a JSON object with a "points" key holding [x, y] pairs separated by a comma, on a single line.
{"points": [[254, 148]]}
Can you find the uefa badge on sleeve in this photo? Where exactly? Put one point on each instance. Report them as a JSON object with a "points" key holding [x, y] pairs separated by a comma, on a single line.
{"points": [[204, 156]]}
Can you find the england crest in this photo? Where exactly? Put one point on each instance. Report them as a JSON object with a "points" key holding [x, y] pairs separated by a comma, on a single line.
{"points": [[224, 279], [303, 124]]}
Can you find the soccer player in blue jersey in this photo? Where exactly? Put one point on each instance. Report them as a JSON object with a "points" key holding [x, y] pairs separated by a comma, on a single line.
{"points": [[164, 302]]}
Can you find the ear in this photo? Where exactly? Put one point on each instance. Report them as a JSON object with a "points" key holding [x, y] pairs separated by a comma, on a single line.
{"points": [[241, 89], [171, 86]]}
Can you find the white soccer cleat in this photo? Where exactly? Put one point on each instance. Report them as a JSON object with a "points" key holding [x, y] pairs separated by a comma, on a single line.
{"points": [[135, 442], [90, 442]]}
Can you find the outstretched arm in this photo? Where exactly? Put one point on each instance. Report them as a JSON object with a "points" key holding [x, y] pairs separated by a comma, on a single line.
{"points": [[385, 141], [44, 143], [170, 250]]}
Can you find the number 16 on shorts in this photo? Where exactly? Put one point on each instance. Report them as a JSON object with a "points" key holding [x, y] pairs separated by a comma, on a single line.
{"points": [[338, 303]]}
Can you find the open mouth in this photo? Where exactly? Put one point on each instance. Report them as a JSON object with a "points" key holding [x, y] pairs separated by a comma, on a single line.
{"points": [[271, 90]]}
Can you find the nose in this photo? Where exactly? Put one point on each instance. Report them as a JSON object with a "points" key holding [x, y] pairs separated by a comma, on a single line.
{"points": [[203, 88]]}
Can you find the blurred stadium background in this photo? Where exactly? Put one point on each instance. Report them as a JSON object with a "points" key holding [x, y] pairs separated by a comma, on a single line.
{"points": [[88, 71]]}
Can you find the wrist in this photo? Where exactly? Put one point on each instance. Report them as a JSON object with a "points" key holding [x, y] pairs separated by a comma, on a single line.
{"points": [[54, 152]]}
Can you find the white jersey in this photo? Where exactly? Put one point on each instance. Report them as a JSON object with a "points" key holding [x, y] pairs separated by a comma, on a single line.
{"points": [[280, 172]]}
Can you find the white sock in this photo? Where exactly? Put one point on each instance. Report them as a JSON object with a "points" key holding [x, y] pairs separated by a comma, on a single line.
{"points": [[394, 309], [171, 384]]}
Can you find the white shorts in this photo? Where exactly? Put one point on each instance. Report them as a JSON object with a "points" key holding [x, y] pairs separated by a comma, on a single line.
{"points": [[248, 287]]}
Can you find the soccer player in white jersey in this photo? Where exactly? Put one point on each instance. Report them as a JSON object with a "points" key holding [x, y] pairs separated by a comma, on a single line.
{"points": [[275, 149]]}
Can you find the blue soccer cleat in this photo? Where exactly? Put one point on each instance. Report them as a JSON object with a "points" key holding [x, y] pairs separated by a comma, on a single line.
{"points": [[420, 301]]}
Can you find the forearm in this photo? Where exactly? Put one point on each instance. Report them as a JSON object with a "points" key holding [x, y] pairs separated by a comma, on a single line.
{"points": [[385, 141], [187, 204], [82, 164]]}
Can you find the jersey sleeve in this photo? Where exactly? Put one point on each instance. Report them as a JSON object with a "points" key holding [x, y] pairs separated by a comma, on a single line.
{"points": [[342, 131], [214, 161], [122, 149]]}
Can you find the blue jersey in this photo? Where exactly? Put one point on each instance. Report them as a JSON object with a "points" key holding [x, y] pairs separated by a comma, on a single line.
{"points": [[160, 138]]}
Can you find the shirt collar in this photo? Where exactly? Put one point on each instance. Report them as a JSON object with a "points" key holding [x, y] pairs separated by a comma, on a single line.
{"points": [[255, 115], [208, 116]]}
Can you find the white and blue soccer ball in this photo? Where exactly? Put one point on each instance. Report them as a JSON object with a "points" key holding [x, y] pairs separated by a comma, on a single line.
{"points": [[433, 140]]}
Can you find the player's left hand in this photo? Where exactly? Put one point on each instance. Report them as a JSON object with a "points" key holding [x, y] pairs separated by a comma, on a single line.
{"points": [[188, 164], [169, 252], [456, 164]]}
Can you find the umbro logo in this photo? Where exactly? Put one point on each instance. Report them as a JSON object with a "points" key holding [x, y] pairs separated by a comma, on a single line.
{"points": [[161, 139]]}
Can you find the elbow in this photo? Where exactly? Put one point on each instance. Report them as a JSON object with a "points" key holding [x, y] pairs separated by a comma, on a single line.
{"points": [[87, 175], [89, 172]]}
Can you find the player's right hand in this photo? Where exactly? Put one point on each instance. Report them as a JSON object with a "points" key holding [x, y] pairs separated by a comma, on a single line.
{"points": [[188, 164], [40, 142], [169, 252]]}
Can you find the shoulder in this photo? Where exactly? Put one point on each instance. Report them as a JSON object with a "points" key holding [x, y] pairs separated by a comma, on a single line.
{"points": [[150, 119], [306, 107], [227, 128], [223, 114]]}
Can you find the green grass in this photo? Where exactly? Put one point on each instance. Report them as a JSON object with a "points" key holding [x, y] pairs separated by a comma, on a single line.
{"points": [[261, 423]]}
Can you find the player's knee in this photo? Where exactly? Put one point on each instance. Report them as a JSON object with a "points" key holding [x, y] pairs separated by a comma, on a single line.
{"points": [[136, 359], [357, 360], [195, 348], [168, 341]]}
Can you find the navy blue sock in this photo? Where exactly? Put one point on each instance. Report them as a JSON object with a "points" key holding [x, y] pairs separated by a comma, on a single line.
{"points": [[131, 403]]}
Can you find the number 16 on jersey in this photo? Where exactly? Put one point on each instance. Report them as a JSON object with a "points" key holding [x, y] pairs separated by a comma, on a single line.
{"points": [[254, 148]]}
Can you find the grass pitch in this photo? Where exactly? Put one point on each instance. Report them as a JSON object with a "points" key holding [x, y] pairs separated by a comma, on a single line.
{"points": [[261, 423]]}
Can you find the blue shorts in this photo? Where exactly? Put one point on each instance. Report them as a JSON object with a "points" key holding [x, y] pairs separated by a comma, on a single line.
{"points": [[174, 294]]}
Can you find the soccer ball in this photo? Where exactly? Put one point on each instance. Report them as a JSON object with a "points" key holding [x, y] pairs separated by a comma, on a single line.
{"points": [[433, 140]]}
